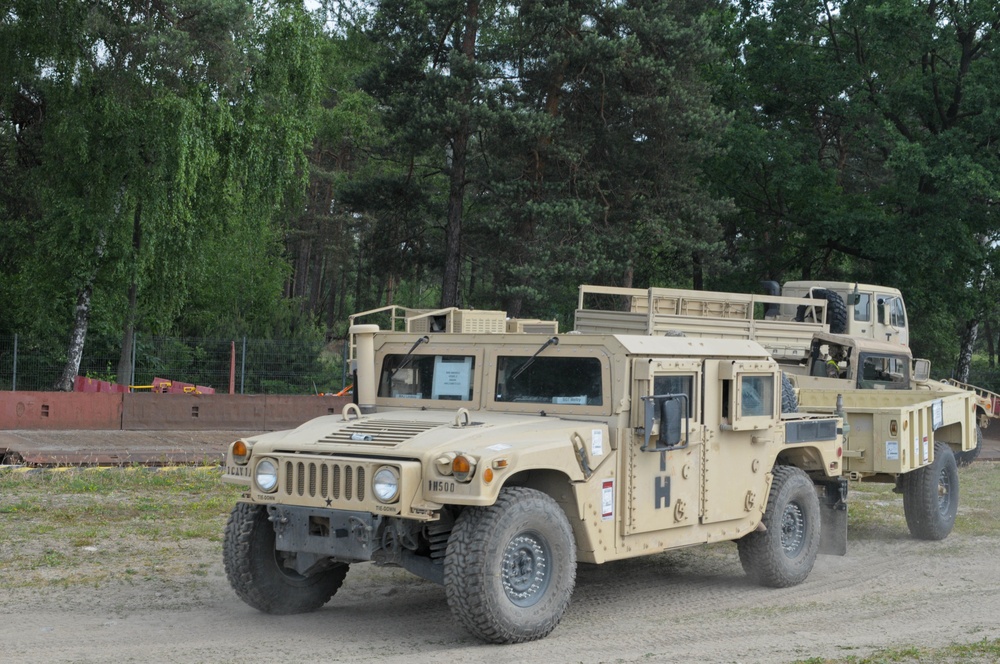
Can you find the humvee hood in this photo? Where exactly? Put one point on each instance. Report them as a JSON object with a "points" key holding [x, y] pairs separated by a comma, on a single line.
{"points": [[413, 433]]}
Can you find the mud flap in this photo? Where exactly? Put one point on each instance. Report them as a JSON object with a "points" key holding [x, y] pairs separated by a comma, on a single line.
{"points": [[833, 517]]}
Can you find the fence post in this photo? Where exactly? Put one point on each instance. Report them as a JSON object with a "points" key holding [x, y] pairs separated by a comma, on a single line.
{"points": [[232, 367], [135, 345], [13, 387], [243, 364]]}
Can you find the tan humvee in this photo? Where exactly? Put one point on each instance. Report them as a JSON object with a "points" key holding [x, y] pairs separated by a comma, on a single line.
{"points": [[492, 463]]}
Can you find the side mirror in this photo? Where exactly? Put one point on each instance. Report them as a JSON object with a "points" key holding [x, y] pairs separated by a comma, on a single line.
{"points": [[921, 370], [883, 311], [665, 411]]}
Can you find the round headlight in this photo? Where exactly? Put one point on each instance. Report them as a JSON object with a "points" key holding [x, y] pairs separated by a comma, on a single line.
{"points": [[463, 467], [385, 484], [266, 475]]}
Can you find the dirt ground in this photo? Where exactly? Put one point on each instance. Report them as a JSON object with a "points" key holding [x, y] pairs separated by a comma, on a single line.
{"points": [[688, 606], [692, 605]]}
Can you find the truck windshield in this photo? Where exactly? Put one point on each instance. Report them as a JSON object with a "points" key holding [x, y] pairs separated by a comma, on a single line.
{"points": [[555, 380], [885, 372], [448, 377]]}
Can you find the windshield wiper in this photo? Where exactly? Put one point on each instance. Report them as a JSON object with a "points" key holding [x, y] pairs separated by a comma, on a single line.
{"points": [[554, 341], [409, 355]]}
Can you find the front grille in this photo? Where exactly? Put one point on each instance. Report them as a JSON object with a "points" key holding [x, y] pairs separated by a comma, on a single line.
{"points": [[335, 480]]}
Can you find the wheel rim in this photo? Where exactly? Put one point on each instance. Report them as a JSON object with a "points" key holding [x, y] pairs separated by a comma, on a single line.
{"points": [[944, 493], [526, 569], [793, 530]]}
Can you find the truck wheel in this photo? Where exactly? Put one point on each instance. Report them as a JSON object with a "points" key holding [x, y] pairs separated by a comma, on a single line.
{"points": [[784, 553], [836, 310], [965, 458], [930, 496], [510, 568], [256, 571], [789, 402]]}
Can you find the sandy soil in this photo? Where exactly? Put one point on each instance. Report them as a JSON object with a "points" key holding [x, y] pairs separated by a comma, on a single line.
{"points": [[685, 606]]}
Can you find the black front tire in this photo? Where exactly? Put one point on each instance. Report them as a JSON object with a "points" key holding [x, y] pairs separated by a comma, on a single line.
{"points": [[510, 568], [256, 572], [784, 553], [930, 496]]}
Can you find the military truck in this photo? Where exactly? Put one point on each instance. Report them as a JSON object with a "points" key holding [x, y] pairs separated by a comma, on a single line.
{"points": [[493, 463], [797, 328]]}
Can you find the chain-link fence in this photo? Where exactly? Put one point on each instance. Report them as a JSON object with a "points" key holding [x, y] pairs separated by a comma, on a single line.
{"points": [[256, 366]]}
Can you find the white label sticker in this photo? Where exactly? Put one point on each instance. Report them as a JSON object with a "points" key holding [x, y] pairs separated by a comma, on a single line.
{"points": [[608, 500], [927, 451], [596, 442], [499, 447], [891, 450]]}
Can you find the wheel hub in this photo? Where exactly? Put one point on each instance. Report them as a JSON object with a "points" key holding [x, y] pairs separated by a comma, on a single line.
{"points": [[944, 493], [525, 569], [793, 528]]}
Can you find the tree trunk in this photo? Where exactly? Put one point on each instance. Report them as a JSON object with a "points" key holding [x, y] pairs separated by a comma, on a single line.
{"points": [[124, 373], [991, 349], [76, 339], [81, 319], [459, 153], [965, 352]]}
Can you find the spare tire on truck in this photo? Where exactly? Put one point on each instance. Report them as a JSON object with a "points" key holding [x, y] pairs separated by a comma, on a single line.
{"points": [[836, 309]]}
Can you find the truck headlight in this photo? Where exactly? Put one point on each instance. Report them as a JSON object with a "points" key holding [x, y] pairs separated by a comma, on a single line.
{"points": [[385, 484], [266, 475], [463, 467]]}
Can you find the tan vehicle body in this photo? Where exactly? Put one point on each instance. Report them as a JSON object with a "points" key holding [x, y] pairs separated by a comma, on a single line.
{"points": [[783, 324], [492, 463], [718, 483], [797, 345]]}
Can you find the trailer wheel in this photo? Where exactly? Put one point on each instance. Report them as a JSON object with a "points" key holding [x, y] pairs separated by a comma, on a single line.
{"points": [[510, 568], [965, 458], [258, 575], [783, 554], [789, 401], [836, 309], [930, 496]]}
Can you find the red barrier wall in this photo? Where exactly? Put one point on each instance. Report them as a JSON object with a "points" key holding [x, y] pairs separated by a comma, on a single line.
{"points": [[224, 411], [60, 410], [144, 411]]}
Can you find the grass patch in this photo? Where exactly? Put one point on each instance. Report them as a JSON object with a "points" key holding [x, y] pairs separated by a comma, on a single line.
{"points": [[85, 526], [978, 652], [876, 512]]}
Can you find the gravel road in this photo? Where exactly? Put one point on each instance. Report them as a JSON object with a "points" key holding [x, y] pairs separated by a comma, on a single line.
{"points": [[692, 605]]}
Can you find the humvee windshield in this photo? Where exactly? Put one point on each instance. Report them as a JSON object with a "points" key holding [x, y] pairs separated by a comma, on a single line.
{"points": [[447, 377], [556, 380]]}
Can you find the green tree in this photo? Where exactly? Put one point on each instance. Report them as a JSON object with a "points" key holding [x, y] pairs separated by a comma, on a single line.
{"points": [[153, 127], [864, 147]]}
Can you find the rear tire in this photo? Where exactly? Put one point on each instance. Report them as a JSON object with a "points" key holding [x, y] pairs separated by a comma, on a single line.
{"points": [[965, 458], [783, 555], [256, 571], [930, 496], [510, 568]]}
